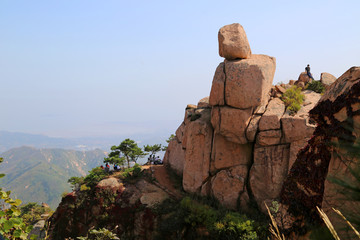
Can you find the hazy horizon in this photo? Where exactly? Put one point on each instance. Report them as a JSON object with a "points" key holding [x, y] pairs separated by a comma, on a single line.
{"points": [[92, 69]]}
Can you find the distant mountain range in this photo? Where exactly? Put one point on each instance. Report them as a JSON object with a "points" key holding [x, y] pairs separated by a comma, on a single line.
{"points": [[40, 175], [9, 140]]}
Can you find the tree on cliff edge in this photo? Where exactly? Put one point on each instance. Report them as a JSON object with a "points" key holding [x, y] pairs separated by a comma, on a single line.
{"points": [[129, 150]]}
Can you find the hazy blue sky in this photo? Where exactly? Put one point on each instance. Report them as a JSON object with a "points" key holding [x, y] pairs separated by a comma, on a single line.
{"points": [[93, 68]]}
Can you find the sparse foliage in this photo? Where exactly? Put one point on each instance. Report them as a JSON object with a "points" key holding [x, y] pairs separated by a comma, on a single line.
{"points": [[172, 137], [153, 149], [316, 86], [293, 98], [101, 234], [75, 182]]}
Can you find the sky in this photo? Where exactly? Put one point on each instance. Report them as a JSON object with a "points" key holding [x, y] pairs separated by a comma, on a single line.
{"points": [[105, 68]]}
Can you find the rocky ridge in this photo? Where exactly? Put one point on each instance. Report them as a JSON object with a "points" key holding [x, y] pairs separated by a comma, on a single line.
{"points": [[239, 143], [240, 146]]}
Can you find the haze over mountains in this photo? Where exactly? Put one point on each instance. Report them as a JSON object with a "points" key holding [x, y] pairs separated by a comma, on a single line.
{"points": [[37, 167], [40, 175], [9, 140]]}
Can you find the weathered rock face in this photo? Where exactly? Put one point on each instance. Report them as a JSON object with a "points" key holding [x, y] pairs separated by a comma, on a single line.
{"points": [[231, 123], [198, 152], [252, 128], [175, 156], [228, 185], [271, 118], [218, 86], [255, 73], [268, 172], [233, 42], [326, 155], [227, 154]]}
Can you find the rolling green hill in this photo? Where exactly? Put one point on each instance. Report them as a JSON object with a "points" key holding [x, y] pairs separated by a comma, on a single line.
{"points": [[40, 175]]}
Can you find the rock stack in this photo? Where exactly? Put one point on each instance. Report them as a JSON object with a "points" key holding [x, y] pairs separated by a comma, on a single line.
{"points": [[240, 143]]}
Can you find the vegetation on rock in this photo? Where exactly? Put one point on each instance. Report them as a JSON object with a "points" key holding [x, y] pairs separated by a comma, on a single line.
{"points": [[316, 86], [31, 213], [128, 151], [293, 98], [195, 218]]}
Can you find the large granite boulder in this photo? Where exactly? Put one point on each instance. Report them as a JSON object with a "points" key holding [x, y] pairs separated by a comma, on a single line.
{"points": [[248, 81], [233, 42]]}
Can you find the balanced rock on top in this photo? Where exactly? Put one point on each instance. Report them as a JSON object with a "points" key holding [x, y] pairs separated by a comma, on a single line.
{"points": [[233, 42]]}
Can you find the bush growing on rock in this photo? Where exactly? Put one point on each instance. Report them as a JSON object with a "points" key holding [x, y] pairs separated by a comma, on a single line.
{"points": [[293, 98], [316, 86], [195, 218], [95, 176]]}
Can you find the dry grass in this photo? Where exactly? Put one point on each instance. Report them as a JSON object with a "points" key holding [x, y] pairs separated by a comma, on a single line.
{"points": [[273, 228]]}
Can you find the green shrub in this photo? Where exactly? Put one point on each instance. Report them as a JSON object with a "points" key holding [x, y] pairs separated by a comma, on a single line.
{"points": [[316, 86], [31, 212], [198, 214], [132, 173], [293, 98], [196, 218], [235, 226], [95, 175]]}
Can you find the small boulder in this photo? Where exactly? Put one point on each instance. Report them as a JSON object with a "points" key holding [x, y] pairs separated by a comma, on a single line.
{"points": [[110, 183], [327, 79], [233, 42], [280, 89]]}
